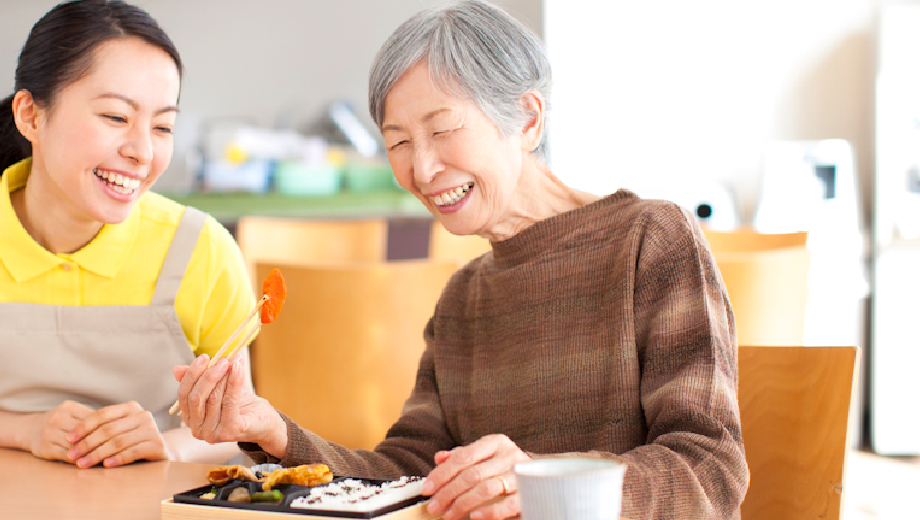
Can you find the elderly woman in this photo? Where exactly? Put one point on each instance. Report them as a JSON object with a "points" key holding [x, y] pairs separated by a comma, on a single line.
{"points": [[595, 327]]}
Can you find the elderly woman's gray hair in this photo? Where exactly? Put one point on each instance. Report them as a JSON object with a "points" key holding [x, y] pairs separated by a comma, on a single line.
{"points": [[474, 50]]}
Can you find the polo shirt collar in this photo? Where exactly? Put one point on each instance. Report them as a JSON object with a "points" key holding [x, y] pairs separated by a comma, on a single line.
{"points": [[25, 259]]}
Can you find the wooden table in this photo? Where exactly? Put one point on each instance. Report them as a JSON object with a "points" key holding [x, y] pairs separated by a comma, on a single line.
{"points": [[36, 489]]}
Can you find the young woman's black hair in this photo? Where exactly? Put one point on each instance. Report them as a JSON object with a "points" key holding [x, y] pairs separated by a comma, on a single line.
{"points": [[60, 50]]}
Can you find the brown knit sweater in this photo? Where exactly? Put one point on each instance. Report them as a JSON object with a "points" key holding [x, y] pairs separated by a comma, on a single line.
{"points": [[605, 331]]}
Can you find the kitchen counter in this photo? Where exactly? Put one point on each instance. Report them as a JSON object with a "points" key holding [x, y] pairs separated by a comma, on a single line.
{"points": [[228, 207]]}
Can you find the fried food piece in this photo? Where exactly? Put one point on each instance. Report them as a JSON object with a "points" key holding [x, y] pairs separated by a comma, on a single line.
{"points": [[310, 475], [223, 474]]}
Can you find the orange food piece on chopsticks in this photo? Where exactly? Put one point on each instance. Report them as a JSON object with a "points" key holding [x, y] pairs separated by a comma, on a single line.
{"points": [[276, 290]]}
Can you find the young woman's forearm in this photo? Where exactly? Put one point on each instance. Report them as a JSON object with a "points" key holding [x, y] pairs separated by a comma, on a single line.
{"points": [[14, 428]]}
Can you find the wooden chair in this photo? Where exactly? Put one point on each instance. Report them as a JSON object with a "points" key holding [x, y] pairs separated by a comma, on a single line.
{"points": [[750, 240], [766, 276], [443, 245], [795, 420], [342, 356], [302, 241]]}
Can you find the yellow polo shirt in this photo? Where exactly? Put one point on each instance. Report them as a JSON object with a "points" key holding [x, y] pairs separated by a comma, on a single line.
{"points": [[121, 265]]}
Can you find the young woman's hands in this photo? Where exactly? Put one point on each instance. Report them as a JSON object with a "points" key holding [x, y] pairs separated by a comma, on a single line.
{"points": [[116, 435], [46, 437]]}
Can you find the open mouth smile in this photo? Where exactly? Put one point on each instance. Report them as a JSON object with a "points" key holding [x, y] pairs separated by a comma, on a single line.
{"points": [[118, 182], [449, 198]]}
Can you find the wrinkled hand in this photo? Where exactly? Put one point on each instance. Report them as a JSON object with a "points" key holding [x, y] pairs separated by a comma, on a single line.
{"points": [[116, 435], [467, 477], [218, 406], [48, 436]]}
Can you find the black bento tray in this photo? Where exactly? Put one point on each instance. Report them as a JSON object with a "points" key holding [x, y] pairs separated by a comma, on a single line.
{"points": [[289, 493]]}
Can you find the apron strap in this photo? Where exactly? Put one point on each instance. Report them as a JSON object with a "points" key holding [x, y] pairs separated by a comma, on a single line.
{"points": [[178, 256]]}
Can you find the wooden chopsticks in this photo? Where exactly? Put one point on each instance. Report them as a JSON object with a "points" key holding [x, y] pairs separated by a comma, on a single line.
{"points": [[251, 331]]}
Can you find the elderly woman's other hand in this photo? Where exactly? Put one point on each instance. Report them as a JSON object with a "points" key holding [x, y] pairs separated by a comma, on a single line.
{"points": [[218, 406], [467, 477]]}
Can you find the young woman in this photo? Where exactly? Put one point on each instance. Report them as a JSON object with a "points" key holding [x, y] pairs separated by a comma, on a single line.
{"points": [[104, 286]]}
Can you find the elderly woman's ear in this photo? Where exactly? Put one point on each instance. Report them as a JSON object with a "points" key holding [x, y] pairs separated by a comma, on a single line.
{"points": [[532, 133]]}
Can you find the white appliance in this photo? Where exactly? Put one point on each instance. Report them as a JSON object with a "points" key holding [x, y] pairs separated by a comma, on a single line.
{"points": [[808, 185], [895, 356]]}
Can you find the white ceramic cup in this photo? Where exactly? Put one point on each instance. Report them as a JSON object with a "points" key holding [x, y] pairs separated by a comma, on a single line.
{"points": [[570, 489]]}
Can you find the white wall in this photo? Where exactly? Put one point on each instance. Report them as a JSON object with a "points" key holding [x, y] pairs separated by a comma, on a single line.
{"points": [[669, 91]]}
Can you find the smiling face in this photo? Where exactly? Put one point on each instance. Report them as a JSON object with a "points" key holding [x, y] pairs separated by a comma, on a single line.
{"points": [[108, 136], [447, 153]]}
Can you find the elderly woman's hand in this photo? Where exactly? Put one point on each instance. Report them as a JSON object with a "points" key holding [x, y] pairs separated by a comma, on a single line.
{"points": [[467, 477], [218, 406]]}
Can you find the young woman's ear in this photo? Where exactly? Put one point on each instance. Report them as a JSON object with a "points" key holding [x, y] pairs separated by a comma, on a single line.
{"points": [[532, 133], [26, 114]]}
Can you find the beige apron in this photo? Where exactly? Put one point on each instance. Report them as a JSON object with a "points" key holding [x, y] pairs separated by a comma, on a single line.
{"points": [[100, 355]]}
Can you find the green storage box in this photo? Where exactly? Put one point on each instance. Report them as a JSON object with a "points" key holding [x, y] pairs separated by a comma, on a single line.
{"points": [[293, 178], [365, 178]]}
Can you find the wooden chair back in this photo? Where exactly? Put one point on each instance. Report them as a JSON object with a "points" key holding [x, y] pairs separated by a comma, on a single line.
{"points": [[342, 356], [443, 245], [749, 240], [795, 420], [766, 276], [303, 241]]}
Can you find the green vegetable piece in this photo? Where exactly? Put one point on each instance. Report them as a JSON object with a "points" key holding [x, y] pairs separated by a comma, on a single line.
{"points": [[267, 496]]}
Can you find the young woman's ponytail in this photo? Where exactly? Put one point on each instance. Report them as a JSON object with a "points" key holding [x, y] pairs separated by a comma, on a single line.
{"points": [[13, 146]]}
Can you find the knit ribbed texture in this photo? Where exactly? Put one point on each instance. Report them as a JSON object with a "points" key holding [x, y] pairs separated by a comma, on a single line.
{"points": [[605, 331]]}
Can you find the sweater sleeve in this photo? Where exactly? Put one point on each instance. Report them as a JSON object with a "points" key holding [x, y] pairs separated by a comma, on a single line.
{"points": [[409, 446], [692, 465]]}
